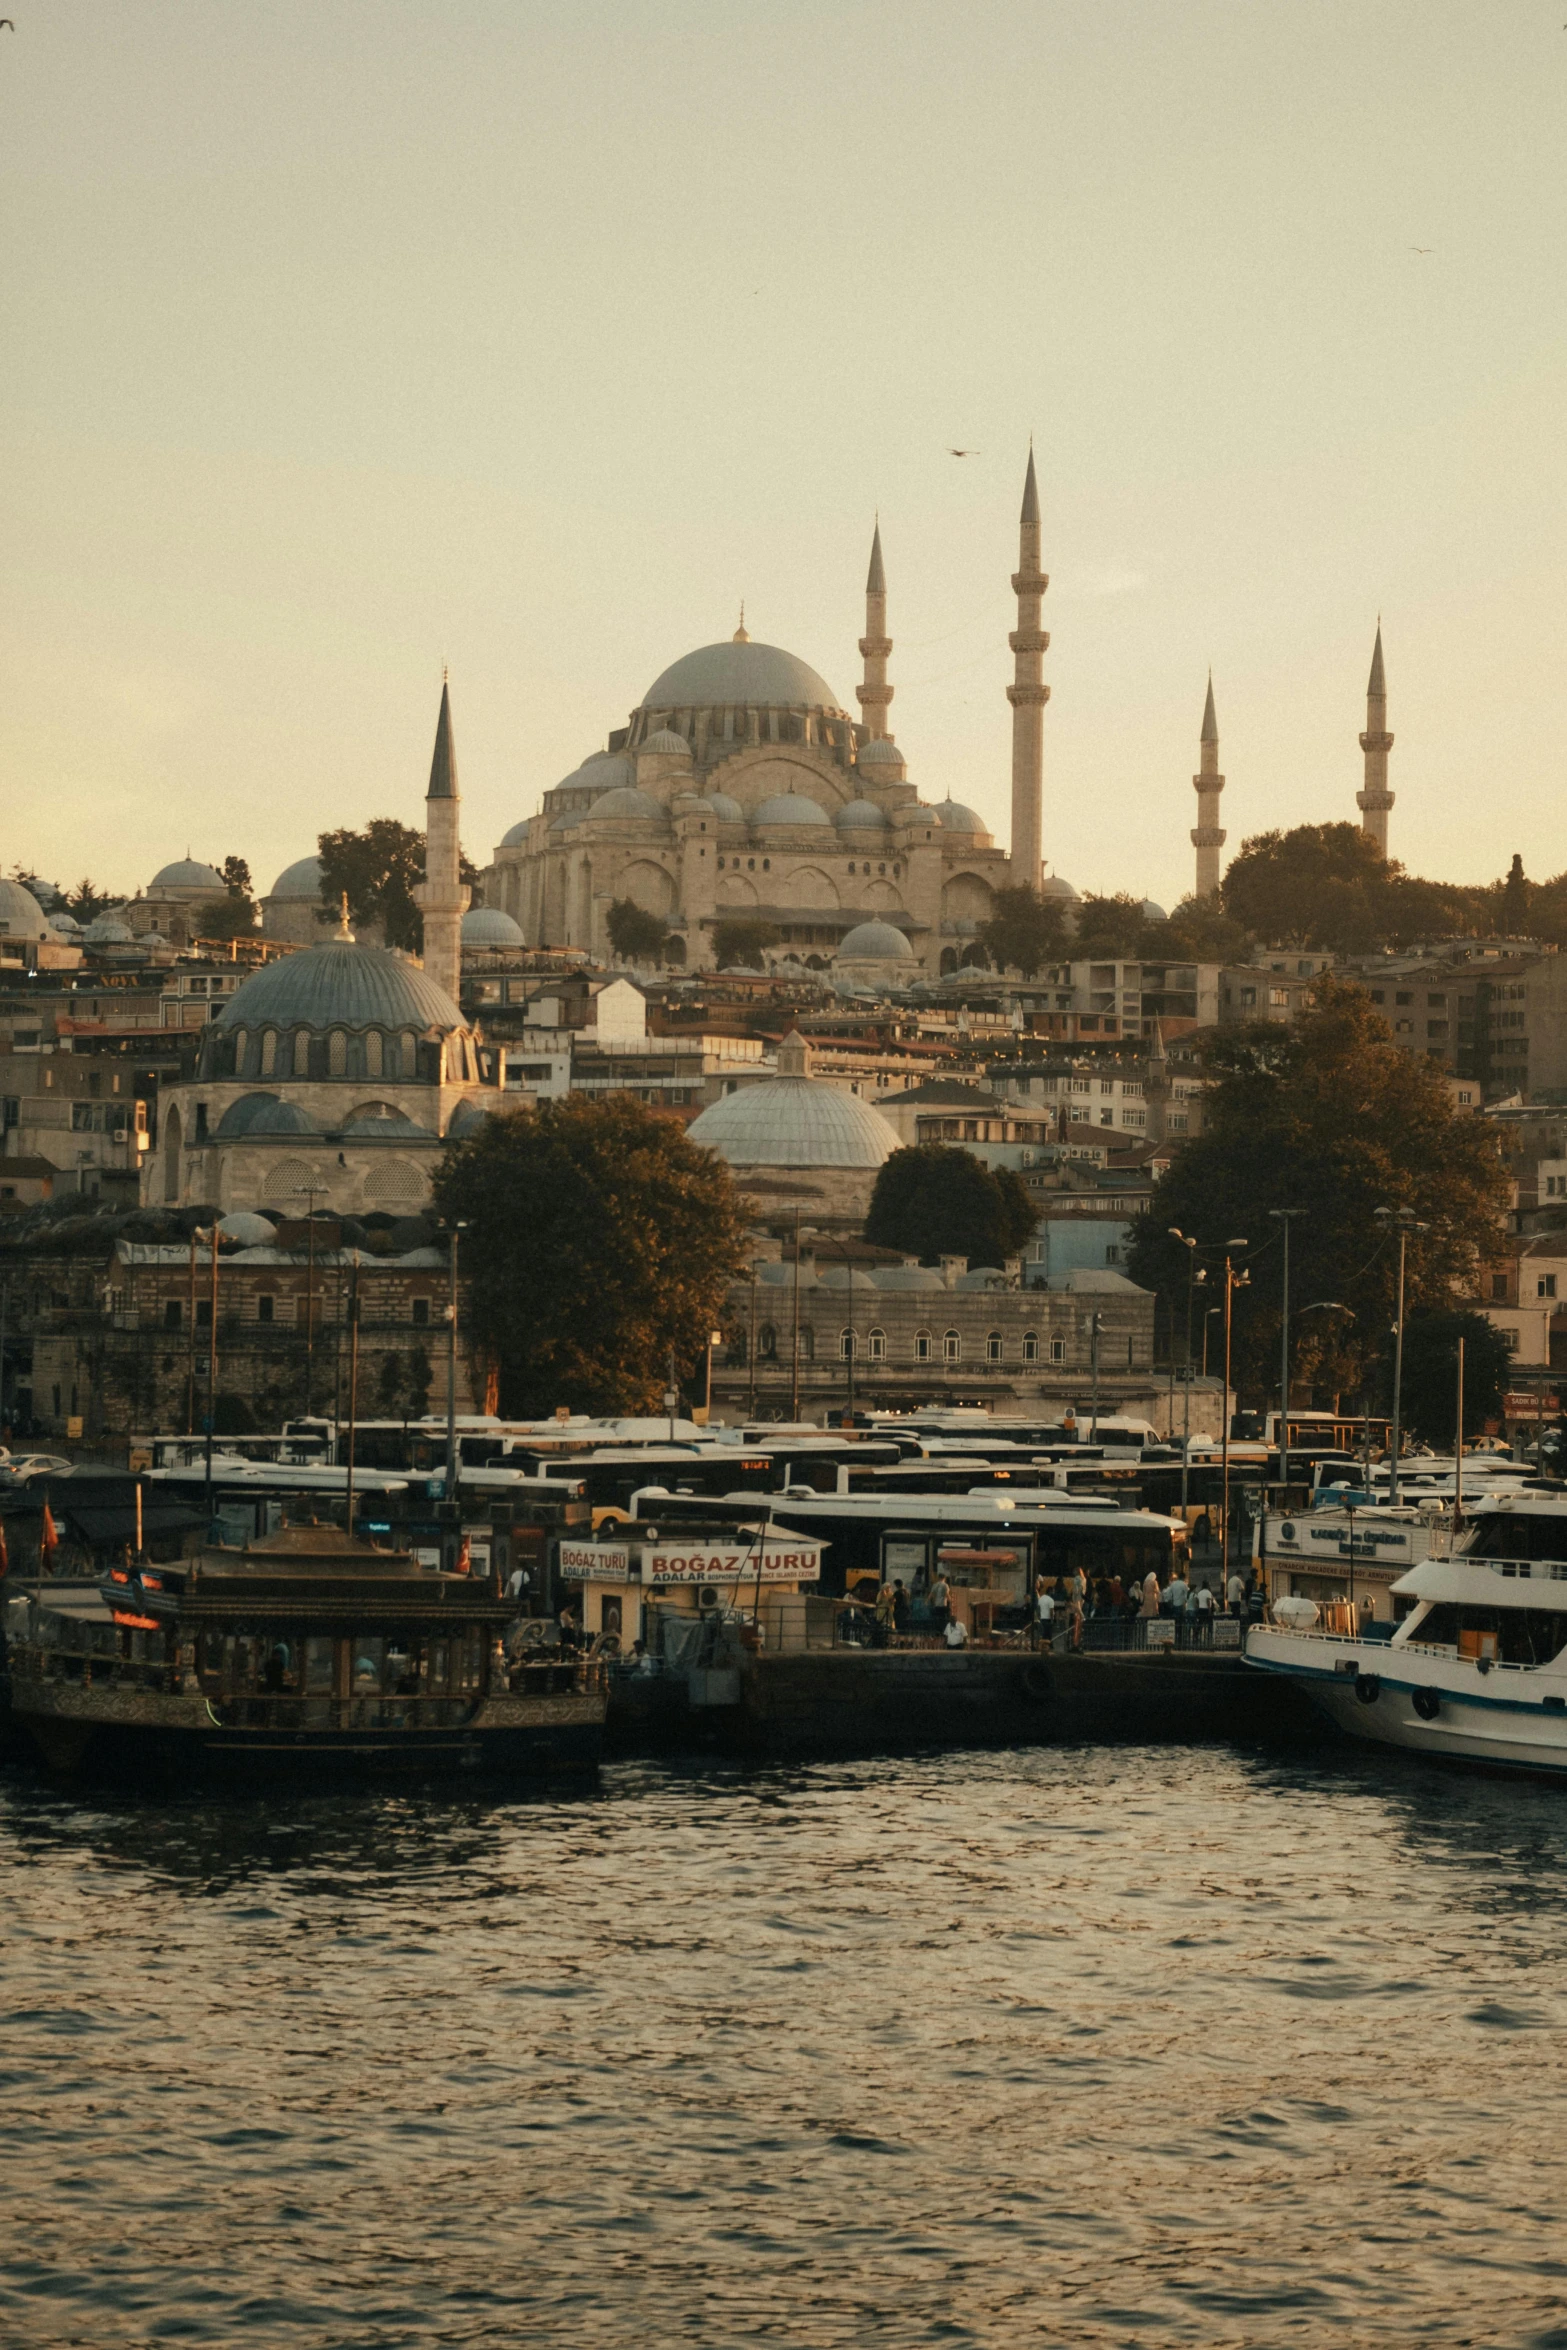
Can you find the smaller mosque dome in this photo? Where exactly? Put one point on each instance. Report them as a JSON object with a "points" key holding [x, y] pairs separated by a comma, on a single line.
{"points": [[1152, 913], [340, 984], [21, 916], [246, 1230], [875, 941], [882, 751], [794, 1122], [518, 834], [263, 1113], [790, 807], [106, 931], [1056, 885], [564, 823], [490, 926], [601, 771], [727, 811], [956, 818], [626, 805], [188, 873], [915, 813], [861, 816], [666, 744], [466, 1119], [302, 879], [66, 924]]}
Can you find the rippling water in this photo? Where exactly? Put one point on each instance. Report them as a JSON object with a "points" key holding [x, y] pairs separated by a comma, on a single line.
{"points": [[1096, 2047]]}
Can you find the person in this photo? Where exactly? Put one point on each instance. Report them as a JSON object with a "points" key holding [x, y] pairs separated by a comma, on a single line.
{"points": [[1150, 1606], [276, 1673], [517, 1584], [900, 1606], [1176, 1593], [956, 1633], [641, 1662], [940, 1603], [1042, 1625], [570, 1629], [885, 1616], [1200, 1611], [1235, 1593], [1070, 1598]]}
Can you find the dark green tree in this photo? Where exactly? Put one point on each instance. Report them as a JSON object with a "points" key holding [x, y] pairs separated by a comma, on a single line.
{"points": [[377, 868], [1200, 931], [1431, 1338], [420, 1376], [742, 939], [1115, 926], [932, 1200], [1320, 885], [1516, 894], [1024, 931], [636, 935], [1326, 1115], [389, 1385], [600, 1241], [87, 901], [236, 877]]}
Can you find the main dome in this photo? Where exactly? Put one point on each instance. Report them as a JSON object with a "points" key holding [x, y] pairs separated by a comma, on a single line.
{"points": [[21, 916], [302, 879], [188, 873], [748, 675], [794, 1122], [341, 984]]}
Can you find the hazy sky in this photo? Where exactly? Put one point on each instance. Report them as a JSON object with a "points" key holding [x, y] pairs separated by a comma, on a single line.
{"points": [[342, 340]]}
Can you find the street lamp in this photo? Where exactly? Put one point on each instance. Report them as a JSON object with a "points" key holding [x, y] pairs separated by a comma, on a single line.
{"points": [[1232, 1282], [310, 1193], [1403, 1221], [451, 1361], [1193, 1276], [1285, 1216]]}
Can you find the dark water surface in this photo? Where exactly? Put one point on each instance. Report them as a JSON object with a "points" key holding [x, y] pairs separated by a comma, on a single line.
{"points": [[1095, 2047]]}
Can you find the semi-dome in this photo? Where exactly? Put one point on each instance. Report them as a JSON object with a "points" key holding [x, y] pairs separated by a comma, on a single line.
{"points": [[247, 1230], [466, 1119], [382, 1123], [490, 926], [881, 751], [21, 916], [263, 1113], [794, 1122], [340, 984], [565, 822], [861, 816], [600, 771], [302, 879], [874, 942], [664, 743], [790, 807], [727, 810], [66, 924], [189, 873], [954, 817], [626, 805], [744, 675]]}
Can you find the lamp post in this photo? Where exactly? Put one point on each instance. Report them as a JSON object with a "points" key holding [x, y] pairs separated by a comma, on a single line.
{"points": [[1232, 1282], [1193, 1276], [310, 1193], [451, 1360], [1285, 1217], [1095, 1321], [1403, 1221]]}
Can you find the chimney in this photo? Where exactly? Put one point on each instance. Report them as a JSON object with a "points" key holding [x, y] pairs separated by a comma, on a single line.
{"points": [[951, 1268]]}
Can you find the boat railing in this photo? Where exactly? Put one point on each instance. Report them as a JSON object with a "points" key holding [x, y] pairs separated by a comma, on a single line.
{"points": [[300, 1709]]}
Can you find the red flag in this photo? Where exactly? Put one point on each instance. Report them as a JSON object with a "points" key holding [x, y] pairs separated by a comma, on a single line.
{"points": [[465, 1557], [5, 1555], [49, 1538]]}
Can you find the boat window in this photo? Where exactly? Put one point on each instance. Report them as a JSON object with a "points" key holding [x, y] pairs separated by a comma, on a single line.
{"points": [[903, 1561], [1518, 1534], [1524, 1635], [367, 1650], [320, 1657], [440, 1665]]}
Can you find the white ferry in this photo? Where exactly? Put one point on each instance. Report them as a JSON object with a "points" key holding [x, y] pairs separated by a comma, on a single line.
{"points": [[1476, 1669]]}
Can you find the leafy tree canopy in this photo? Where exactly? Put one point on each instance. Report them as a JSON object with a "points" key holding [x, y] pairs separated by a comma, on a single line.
{"points": [[378, 869], [743, 939], [236, 877], [599, 1239], [226, 917], [1199, 931], [1326, 1115], [636, 935], [1431, 1374], [934, 1201], [1024, 931], [1115, 926]]}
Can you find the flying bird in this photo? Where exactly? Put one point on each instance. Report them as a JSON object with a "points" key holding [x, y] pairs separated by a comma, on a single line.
{"points": [[1422, 248], [963, 452], [6, 25]]}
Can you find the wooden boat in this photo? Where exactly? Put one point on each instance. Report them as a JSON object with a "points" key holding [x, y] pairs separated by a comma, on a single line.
{"points": [[309, 1652]]}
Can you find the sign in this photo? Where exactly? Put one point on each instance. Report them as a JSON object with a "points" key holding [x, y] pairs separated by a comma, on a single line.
{"points": [[1226, 1632], [73, 1427], [1529, 1405], [787, 1560], [595, 1562], [1159, 1632]]}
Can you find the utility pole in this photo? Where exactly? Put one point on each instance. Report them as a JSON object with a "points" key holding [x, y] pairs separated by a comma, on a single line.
{"points": [[794, 1376], [750, 1409], [212, 1363], [190, 1345], [1094, 1321], [310, 1193], [1193, 1276], [1285, 1217], [1458, 1448], [451, 1362], [1403, 1221], [1232, 1282], [353, 1387]]}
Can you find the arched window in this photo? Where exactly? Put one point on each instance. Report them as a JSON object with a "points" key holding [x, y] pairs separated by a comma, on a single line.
{"points": [[952, 1348], [876, 1346], [1030, 1346], [337, 1053], [767, 1343], [1058, 1350], [373, 1053], [922, 1345], [847, 1350], [993, 1347], [268, 1051], [807, 1344]]}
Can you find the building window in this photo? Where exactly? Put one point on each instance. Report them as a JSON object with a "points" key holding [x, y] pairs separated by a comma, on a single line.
{"points": [[846, 1346], [1498, 1285], [1546, 1286], [264, 1307], [993, 1347], [952, 1348], [876, 1346], [173, 1313], [1030, 1346], [204, 1313], [1058, 1350], [922, 1344], [1509, 1340], [767, 1343], [1113, 1253]]}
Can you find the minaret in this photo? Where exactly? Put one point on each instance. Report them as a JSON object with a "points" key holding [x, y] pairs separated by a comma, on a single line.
{"points": [[1208, 838], [1375, 799], [441, 897], [1028, 695], [875, 693]]}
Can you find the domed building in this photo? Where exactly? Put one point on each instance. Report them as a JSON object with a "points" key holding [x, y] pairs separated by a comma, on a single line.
{"points": [[292, 908], [875, 954], [795, 1141], [741, 785]]}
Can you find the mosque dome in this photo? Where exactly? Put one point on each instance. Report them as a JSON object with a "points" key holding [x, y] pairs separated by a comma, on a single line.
{"points": [[108, 931], [188, 873], [565, 822], [1152, 913], [1056, 885], [263, 1113], [915, 813], [794, 1122], [861, 816], [790, 807], [490, 926], [466, 1119], [302, 879], [21, 916], [955, 817], [626, 805], [727, 811], [246, 1230], [665, 744], [741, 675], [66, 924], [600, 772], [874, 941], [517, 835], [882, 751], [381, 1123], [340, 984]]}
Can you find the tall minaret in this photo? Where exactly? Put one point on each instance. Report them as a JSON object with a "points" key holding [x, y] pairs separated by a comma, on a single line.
{"points": [[1028, 695], [1208, 838], [1375, 800], [441, 897], [875, 645]]}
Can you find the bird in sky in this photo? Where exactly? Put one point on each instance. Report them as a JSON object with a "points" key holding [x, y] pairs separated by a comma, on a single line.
{"points": [[1422, 248], [963, 452], [6, 25]]}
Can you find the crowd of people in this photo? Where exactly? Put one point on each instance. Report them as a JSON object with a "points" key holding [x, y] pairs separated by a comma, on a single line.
{"points": [[1057, 1609]]}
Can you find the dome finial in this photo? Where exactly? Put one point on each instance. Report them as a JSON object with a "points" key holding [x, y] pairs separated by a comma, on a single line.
{"points": [[342, 930], [740, 637]]}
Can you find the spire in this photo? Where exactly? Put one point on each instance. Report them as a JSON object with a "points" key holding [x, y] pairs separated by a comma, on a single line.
{"points": [[1028, 694], [873, 693], [1030, 490], [876, 578], [1208, 837], [1210, 720], [1374, 800], [740, 636], [443, 767], [1376, 686]]}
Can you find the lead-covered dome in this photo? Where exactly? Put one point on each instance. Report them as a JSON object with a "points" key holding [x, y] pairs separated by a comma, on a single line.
{"points": [[189, 873], [955, 817], [21, 916], [874, 942], [626, 805], [515, 838], [340, 984], [727, 810], [790, 807], [263, 1113], [861, 816], [759, 676], [794, 1122], [664, 743], [490, 926], [302, 879]]}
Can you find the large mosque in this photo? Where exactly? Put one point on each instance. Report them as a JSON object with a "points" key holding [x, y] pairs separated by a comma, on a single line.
{"points": [[741, 786]]}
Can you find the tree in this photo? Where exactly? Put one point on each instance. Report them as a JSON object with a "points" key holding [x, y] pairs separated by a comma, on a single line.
{"points": [[1200, 931], [1115, 926], [932, 1201], [87, 901], [389, 1385], [419, 1379], [743, 939], [378, 869], [1516, 894], [1320, 885], [1431, 1373], [1024, 931], [236, 877], [226, 917], [636, 935], [600, 1241], [1326, 1115]]}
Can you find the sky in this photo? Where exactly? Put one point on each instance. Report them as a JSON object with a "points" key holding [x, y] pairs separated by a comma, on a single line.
{"points": [[344, 339]]}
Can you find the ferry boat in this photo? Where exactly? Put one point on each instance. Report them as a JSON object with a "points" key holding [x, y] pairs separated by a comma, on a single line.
{"points": [[1477, 1667], [308, 1651]]}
